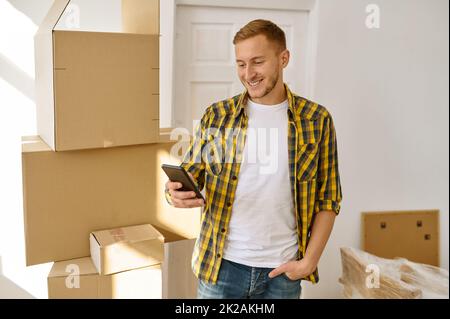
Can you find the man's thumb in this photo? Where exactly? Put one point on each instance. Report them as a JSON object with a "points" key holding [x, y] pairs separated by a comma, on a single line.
{"points": [[277, 271]]}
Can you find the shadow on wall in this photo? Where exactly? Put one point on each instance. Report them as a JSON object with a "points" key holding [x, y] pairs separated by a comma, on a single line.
{"points": [[16, 77], [35, 12], [9, 290], [16, 68]]}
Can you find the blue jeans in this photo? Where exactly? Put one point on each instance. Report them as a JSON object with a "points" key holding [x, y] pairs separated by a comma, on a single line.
{"points": [[236, 281]]}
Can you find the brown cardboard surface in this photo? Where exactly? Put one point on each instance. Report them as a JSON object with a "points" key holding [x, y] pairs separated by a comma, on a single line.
{"points": [[67, 195], [179, 281], [143, 283], [106, 94], [398, 234], [63, 268], [126, 248], [130, 234], [73, 279], [164, 135], [140, 16], [78, 279], [95, 89]]}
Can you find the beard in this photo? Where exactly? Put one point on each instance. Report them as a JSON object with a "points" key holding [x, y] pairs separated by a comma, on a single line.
{"points": [[270, 86]]}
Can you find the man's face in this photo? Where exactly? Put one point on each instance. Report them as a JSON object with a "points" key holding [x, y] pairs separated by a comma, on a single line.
{"points": [[260, 66]]}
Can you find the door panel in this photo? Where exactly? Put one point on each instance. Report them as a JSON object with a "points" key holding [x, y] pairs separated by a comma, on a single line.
{"points": [[205, 69]]}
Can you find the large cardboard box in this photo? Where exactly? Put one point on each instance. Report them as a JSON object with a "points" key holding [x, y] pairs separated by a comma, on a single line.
{"points": [[126, 248], [67, 195], [413, 235], [95, 89], [78, 279]]}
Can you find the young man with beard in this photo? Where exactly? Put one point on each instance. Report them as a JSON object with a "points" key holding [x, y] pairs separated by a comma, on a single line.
{"points": [[265, 223]]}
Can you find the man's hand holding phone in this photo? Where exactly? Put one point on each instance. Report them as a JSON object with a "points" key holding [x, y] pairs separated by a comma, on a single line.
{"points": [[183, 199]]}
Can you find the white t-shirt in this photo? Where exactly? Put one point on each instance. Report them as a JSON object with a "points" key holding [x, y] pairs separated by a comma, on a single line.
{"points": [[263, 230]]}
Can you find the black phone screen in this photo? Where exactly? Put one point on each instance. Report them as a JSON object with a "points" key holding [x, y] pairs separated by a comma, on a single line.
{"points": [[179, 174]]}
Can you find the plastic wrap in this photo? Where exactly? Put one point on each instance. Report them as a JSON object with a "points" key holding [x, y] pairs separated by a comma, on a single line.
{"points": [[368, 276]]}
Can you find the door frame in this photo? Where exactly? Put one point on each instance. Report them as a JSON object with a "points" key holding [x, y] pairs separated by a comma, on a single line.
{"points": [[168, 26]]}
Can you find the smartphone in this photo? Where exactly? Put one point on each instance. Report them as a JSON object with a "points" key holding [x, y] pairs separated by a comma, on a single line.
{"points": [[179, 174]]}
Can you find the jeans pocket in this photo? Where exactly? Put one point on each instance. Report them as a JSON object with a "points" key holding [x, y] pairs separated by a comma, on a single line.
{"points": [[289, 279]]}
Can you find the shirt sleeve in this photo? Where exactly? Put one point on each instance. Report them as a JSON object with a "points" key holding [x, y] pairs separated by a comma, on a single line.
{"points": [[193, 161], [329, 194]]}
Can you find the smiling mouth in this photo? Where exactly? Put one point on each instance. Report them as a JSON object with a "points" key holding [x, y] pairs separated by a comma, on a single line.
{"points": [[254, 83]]}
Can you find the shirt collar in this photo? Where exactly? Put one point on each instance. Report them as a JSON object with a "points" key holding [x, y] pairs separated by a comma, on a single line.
{"points": [[242, 102]]}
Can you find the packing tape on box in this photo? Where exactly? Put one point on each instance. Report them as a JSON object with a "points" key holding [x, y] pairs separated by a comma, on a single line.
{"points": [[117, 234]]}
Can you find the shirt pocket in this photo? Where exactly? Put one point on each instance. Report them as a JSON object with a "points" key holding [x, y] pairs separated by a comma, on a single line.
{"points": [[214, 154], [307, 155]]}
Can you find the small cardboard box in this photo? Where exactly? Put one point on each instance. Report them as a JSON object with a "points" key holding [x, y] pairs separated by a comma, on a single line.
{"points": [[96, 89], [126, 248], [79, 279]]}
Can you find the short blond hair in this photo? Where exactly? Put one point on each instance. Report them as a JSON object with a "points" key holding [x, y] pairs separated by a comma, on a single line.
{"points": [[256, 27]]}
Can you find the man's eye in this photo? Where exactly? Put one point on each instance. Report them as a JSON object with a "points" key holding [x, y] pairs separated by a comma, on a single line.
{"points": [[259, 62]]}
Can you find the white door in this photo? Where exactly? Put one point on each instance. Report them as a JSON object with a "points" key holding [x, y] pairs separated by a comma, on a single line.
{"points": [[205, 68]]}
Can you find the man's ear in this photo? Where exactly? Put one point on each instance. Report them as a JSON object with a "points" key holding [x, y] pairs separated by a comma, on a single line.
{"points": [[285, 55]]}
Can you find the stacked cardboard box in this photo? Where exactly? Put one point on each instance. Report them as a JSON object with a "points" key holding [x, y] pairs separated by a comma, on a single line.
{"points": [[78, 278], [97, 89], [94, 170], [126, 248]]}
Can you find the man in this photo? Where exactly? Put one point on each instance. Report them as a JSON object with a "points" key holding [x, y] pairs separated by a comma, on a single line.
{"points": [[263, 227]]}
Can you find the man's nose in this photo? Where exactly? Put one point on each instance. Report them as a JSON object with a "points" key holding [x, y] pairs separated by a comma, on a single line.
{"points": [[249, 73]]}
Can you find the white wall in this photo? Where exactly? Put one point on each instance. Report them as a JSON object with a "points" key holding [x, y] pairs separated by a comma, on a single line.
{"points": [[387, 90], [18, 23], [92, 15], [166, 55]]}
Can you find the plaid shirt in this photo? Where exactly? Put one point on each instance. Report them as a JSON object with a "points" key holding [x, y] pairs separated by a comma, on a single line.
{"points": [[214, 158]]}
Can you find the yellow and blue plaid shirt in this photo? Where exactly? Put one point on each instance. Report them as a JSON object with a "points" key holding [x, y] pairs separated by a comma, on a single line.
{"points": [[214, 158]]}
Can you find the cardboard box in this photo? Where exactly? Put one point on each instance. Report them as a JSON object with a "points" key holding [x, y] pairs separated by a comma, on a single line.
{"points": [[78, 279], [179, 281], [126, 248], [140, 16], [413, 235], [67, 195], [95, 89]]}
